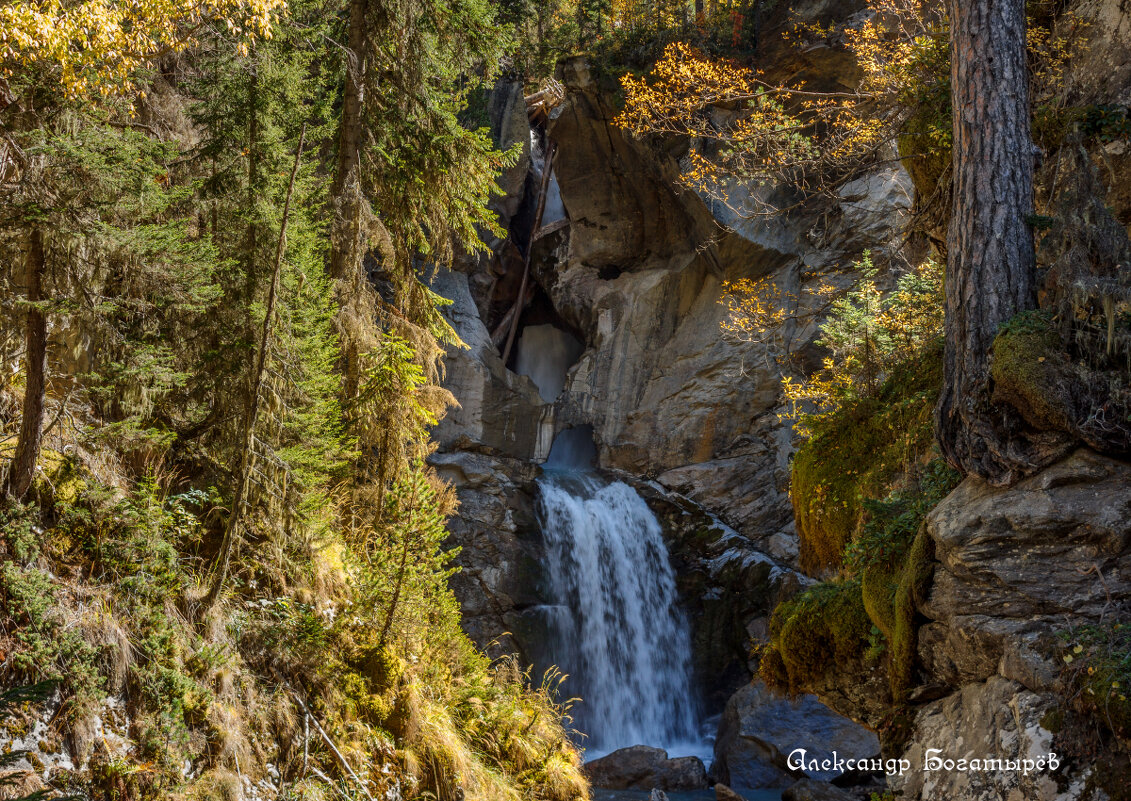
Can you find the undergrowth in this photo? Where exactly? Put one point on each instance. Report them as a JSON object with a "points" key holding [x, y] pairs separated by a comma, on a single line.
{"points": [[101, 592], [863, 481]]}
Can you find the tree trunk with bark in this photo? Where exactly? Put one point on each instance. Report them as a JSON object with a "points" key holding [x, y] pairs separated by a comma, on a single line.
{"points": [[991, 270], [345, 249], [21, 472]]}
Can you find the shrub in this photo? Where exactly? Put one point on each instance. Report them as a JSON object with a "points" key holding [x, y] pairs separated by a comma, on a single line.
{"points": [[1097, 664]]}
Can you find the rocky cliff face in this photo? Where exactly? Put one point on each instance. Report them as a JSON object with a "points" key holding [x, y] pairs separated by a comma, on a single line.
{"points": [[688, 418], [1020, 570], [692, 421], [637, 277]]}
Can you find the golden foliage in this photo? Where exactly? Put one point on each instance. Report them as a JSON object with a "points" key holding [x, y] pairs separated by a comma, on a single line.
{"points": [[94, 47], [866, 332], [743, 128]]}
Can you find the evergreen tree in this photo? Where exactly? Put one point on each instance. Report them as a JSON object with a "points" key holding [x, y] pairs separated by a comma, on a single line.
{"points": [[991, 266]]}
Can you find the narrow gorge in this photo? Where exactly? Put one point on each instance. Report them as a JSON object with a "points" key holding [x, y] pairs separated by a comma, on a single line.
{"points": [[618, 343], [565, 400], [649, 580]]}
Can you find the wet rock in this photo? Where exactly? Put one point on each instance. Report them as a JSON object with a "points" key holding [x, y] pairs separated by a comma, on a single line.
{"points": [[759, 730], [642, 767], [728, 586], [814, 790], [501, 550], [657, 795], [724, 793]]}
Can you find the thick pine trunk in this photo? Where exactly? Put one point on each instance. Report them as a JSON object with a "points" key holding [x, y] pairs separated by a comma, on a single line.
{"points": [[990, 273], [21, 472]]}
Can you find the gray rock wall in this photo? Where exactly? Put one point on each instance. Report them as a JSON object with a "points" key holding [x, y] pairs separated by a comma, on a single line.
{"points": [[638, 278]]}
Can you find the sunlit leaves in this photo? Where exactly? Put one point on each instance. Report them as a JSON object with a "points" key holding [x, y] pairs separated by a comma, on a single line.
{"points": [[745, 130], [866, 333], [93, 48]]}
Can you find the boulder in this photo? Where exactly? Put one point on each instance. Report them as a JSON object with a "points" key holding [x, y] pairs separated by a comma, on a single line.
{"points": [[642, 767], [1019, 563], [996, 719], [814, 790], [1016, 566], [622, 200], [759, 730], [724, 793]]}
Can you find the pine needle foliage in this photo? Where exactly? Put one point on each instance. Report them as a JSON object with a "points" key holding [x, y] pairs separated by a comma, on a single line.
{"points": [[160, 209]]}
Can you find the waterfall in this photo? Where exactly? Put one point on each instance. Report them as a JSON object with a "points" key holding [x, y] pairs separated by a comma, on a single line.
{"points": [[616, 628]]}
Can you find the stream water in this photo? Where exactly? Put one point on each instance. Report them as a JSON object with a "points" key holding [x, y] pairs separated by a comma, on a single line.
{"points": [[614, 621], [616, 627]]}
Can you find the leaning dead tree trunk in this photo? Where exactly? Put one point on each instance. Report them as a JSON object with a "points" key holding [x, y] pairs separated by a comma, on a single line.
{"points": [[990, 274], [516, 311], [21, 472], [243, 472]]}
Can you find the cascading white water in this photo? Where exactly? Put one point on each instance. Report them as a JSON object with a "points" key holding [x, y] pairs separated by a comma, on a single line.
{"points": [[616, 626]]}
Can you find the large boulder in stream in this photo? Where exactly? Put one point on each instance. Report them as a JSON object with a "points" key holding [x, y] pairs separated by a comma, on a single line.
{"points": [[759, 730], [642, 767]]}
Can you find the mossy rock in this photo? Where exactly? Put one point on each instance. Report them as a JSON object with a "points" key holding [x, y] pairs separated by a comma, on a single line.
{"points": [[924, 157], [1031, 372], [914, 577], [856, 453], [893, 556], [822, 629]]}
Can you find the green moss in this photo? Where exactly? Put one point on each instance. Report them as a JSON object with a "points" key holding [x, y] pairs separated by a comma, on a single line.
{"points": [[856, 452], [914, 577], [822, 629], [1053, 720], [892, 556], [925, 143], [1028, 370]]}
